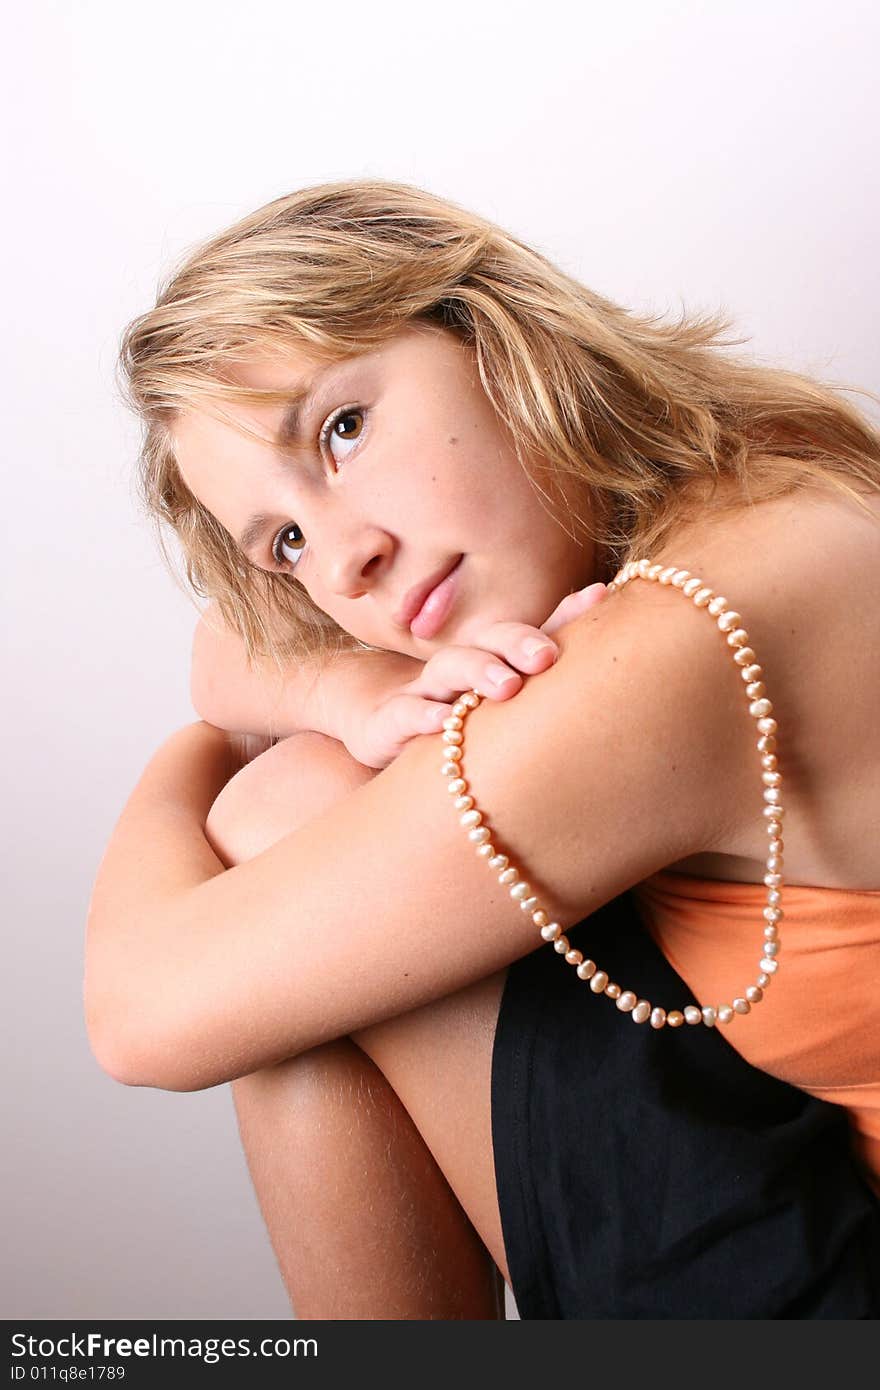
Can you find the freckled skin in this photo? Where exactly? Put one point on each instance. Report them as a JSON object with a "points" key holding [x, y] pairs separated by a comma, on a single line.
{"points": [[384, 509]]}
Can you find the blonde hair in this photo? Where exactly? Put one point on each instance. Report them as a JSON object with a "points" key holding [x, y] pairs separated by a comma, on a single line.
{"points": [[651, 416]]}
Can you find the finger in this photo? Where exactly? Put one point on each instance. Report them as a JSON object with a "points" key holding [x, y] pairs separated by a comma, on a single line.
{"points": [[410, 715], [453, 670], [573, 605], [521, 646]]}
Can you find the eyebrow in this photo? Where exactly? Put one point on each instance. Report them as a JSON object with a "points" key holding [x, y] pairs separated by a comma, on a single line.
{"points": [[254, 530]]}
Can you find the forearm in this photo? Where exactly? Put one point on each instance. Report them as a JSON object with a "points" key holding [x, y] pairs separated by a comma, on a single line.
{"points": [[315, 693]]}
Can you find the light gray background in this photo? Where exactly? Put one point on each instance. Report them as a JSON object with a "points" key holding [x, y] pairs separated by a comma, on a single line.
{"points": [[717, 153]]}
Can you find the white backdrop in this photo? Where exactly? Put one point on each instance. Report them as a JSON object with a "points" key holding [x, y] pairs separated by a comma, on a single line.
{"points": [[715, 153]]}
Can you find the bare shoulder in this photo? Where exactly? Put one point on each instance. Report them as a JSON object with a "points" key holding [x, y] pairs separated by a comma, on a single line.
{"points": [[802, 571]]}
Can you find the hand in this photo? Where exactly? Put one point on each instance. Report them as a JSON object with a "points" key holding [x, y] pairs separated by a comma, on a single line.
{"points": [[377, 735]]}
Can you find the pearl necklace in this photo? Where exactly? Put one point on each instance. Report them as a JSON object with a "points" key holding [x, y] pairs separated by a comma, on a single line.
{"points": [[640, 1010]]}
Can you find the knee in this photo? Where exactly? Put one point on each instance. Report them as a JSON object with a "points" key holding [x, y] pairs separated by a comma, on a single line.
{"points": [[312, 1093], [281, 789]]}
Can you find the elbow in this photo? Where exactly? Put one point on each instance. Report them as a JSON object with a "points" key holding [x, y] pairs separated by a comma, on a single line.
{"points": [[144, 1055]]}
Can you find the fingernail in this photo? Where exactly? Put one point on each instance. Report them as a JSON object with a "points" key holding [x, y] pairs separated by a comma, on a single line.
{"points": [[498, 675], [535, 645]]}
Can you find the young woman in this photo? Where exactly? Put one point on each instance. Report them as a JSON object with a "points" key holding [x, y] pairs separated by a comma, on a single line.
{"points": [[495, 977]]}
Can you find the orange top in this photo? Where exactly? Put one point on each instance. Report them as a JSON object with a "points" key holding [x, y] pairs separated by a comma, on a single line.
{"points": [[817, 1025]]}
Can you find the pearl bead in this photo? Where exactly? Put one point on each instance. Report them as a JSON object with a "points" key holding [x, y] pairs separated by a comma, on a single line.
{"points": [[767, 726], [774, 897], [702, 597], [769, 966], [772, 796], [508, 876], [775, 862], [766, 745], [755, 690], [680, 578], [551, 931], [612, 990], [587, 969], [642, 1012], [752, 673], [456, 786], [470, 818], [520, 890], [692, 1014], [716, 605], [666, 575], [709, 1017], [452, 736], [478, 836], [675, 1018], [772, 914], [769, 761], [486, 850], [771, 779], [776, 847], [452, 721], [451, 770], [763, 981], [744, 656], [626, 1000], [754, 994], [500, 861], [653, 571], [728, 621], [772, 948], [540, 918], [725, 1014], [464, 803], [741, 1006], [561, 946], [528, 903], [758, 709], [771, 931], [452, 753], [738, 638], [598, 981], [642, 568], [574, 957], [658, 1017]]}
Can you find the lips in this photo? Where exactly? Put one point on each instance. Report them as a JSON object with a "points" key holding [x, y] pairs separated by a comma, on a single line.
{"points": [[437, 606], [416, 597]]}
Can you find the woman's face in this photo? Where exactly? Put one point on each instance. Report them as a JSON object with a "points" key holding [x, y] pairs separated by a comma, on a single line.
{"points": [[397, 469]]}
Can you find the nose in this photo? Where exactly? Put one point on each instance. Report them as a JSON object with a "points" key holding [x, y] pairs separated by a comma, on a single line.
{"points": [[353, 562]]}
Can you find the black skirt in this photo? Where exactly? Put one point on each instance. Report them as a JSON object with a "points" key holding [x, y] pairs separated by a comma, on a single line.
{"points": [[646, 1174]]}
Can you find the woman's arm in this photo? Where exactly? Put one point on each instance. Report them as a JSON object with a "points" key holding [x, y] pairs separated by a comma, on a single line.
{"points": [[599, 773], [257, 698]]}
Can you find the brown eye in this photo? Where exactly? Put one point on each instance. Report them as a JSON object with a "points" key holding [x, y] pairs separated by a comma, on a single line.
{"points": [[346, 425], [288, 545]]}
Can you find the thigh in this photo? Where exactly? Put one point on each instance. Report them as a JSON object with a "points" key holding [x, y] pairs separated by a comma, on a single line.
{"points": [[438, 1059]]}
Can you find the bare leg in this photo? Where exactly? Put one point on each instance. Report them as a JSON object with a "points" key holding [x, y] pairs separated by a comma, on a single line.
{"points": [[362, 1221]]}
